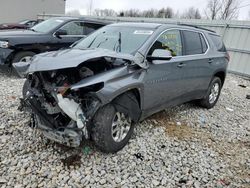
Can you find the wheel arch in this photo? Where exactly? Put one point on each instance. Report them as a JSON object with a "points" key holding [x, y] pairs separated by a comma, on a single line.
{"points": [[130, 101], [222, 75], [18, 50]]}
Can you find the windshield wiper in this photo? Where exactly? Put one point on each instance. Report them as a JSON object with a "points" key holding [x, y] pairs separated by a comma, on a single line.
{"points": [[119, 47], [95, 39], [120, 42]]}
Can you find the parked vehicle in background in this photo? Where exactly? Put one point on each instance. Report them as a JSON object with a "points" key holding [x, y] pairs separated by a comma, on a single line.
{"points": [[49, 35], [118, 76], [21, 25]]}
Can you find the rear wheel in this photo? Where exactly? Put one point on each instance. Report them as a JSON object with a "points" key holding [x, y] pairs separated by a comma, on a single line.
{"points": [[213, 94], [111, 129]]}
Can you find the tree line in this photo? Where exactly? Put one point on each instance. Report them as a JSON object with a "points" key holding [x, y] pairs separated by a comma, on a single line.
{"points": [[215, 9]]}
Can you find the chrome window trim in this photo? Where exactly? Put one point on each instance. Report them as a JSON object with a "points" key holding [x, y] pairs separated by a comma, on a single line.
{"points": [[181, 29]]}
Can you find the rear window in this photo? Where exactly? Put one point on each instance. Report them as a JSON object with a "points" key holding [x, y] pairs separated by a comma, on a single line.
{"points": [[218, 43], [193, 43]]}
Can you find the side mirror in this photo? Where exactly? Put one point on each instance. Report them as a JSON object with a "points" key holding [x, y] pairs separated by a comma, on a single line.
{"points": [[160, 54], [60, 32]]}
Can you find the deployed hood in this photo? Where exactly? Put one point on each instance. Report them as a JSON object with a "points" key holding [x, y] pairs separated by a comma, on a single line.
{"points": [[73, 57]]}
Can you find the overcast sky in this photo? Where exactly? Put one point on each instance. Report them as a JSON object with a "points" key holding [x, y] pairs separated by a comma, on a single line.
{"points": [[119, 5]]}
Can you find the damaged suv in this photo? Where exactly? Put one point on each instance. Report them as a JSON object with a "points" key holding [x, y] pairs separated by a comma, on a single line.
{"points": [[121, 74]]}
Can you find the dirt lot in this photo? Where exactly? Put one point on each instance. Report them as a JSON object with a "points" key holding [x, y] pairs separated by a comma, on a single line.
{"points": [[185, 146]]}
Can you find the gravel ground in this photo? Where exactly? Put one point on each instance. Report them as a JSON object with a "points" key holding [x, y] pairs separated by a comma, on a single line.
{"points": [[185, 146]]}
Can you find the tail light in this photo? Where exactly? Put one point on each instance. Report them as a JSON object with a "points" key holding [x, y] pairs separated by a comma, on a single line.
{"points": [[228, 56]]}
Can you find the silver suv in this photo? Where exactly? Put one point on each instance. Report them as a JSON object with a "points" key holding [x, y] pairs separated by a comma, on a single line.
{"points": [[122, 73]]}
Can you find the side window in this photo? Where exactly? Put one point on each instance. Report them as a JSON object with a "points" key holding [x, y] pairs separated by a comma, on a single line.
{"points": [[74, 28], [91, 27], [169, 40], [203, 44], [192, 43], [218, 43]]}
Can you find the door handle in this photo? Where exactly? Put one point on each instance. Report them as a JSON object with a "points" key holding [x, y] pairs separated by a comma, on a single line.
{"points": [[181, 65], [210, 61]]}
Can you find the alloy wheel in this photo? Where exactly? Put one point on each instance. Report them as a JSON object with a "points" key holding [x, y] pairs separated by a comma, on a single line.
{"points": [[120, 126], [214, 93]]}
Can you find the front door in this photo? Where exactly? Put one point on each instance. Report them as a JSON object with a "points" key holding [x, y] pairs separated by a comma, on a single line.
{"points": [[163, 83]]}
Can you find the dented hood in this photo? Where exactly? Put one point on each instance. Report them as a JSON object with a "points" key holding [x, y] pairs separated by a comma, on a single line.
{"points": [[70, 58]]}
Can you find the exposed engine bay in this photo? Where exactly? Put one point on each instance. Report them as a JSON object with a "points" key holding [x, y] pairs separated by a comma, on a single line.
{"points": [[62, 113]]}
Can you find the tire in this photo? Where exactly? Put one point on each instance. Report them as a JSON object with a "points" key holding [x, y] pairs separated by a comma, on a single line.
{"points": [[207, 101], [20, 55], [26, 86], [102, 130]]}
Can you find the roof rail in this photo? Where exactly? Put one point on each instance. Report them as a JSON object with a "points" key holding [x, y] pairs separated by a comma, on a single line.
{"points": [[195, 26]]}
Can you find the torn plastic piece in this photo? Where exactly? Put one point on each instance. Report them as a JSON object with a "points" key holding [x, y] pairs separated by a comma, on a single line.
{"points": [[202, 120], [139, 156], [86, 150], [241, 85], [72, 109], [224, 182], [178, 123], [229, 109], [183, 181]]}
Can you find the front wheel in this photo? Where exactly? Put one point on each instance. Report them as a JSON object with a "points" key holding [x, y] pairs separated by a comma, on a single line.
{"points": [[111, 129], [213, 94]]}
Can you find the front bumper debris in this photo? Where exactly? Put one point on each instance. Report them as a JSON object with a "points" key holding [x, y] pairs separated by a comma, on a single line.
{"points": [[66, 137], [69, 135]]}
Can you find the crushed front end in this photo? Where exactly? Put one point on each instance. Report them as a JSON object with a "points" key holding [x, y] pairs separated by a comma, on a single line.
{"points": [[63, 115], [64, 89]]}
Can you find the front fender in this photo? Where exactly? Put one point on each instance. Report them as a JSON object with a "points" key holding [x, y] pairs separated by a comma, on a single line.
{"points": [[101, 78], [115, 82], [115, 88]]}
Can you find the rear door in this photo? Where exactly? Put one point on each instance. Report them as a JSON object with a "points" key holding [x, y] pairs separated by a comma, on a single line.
{"points": [[196, 64]]}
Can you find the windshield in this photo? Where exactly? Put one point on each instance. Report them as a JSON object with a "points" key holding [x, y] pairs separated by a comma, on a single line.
{"points": [[47, 25], [117, 38]]}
